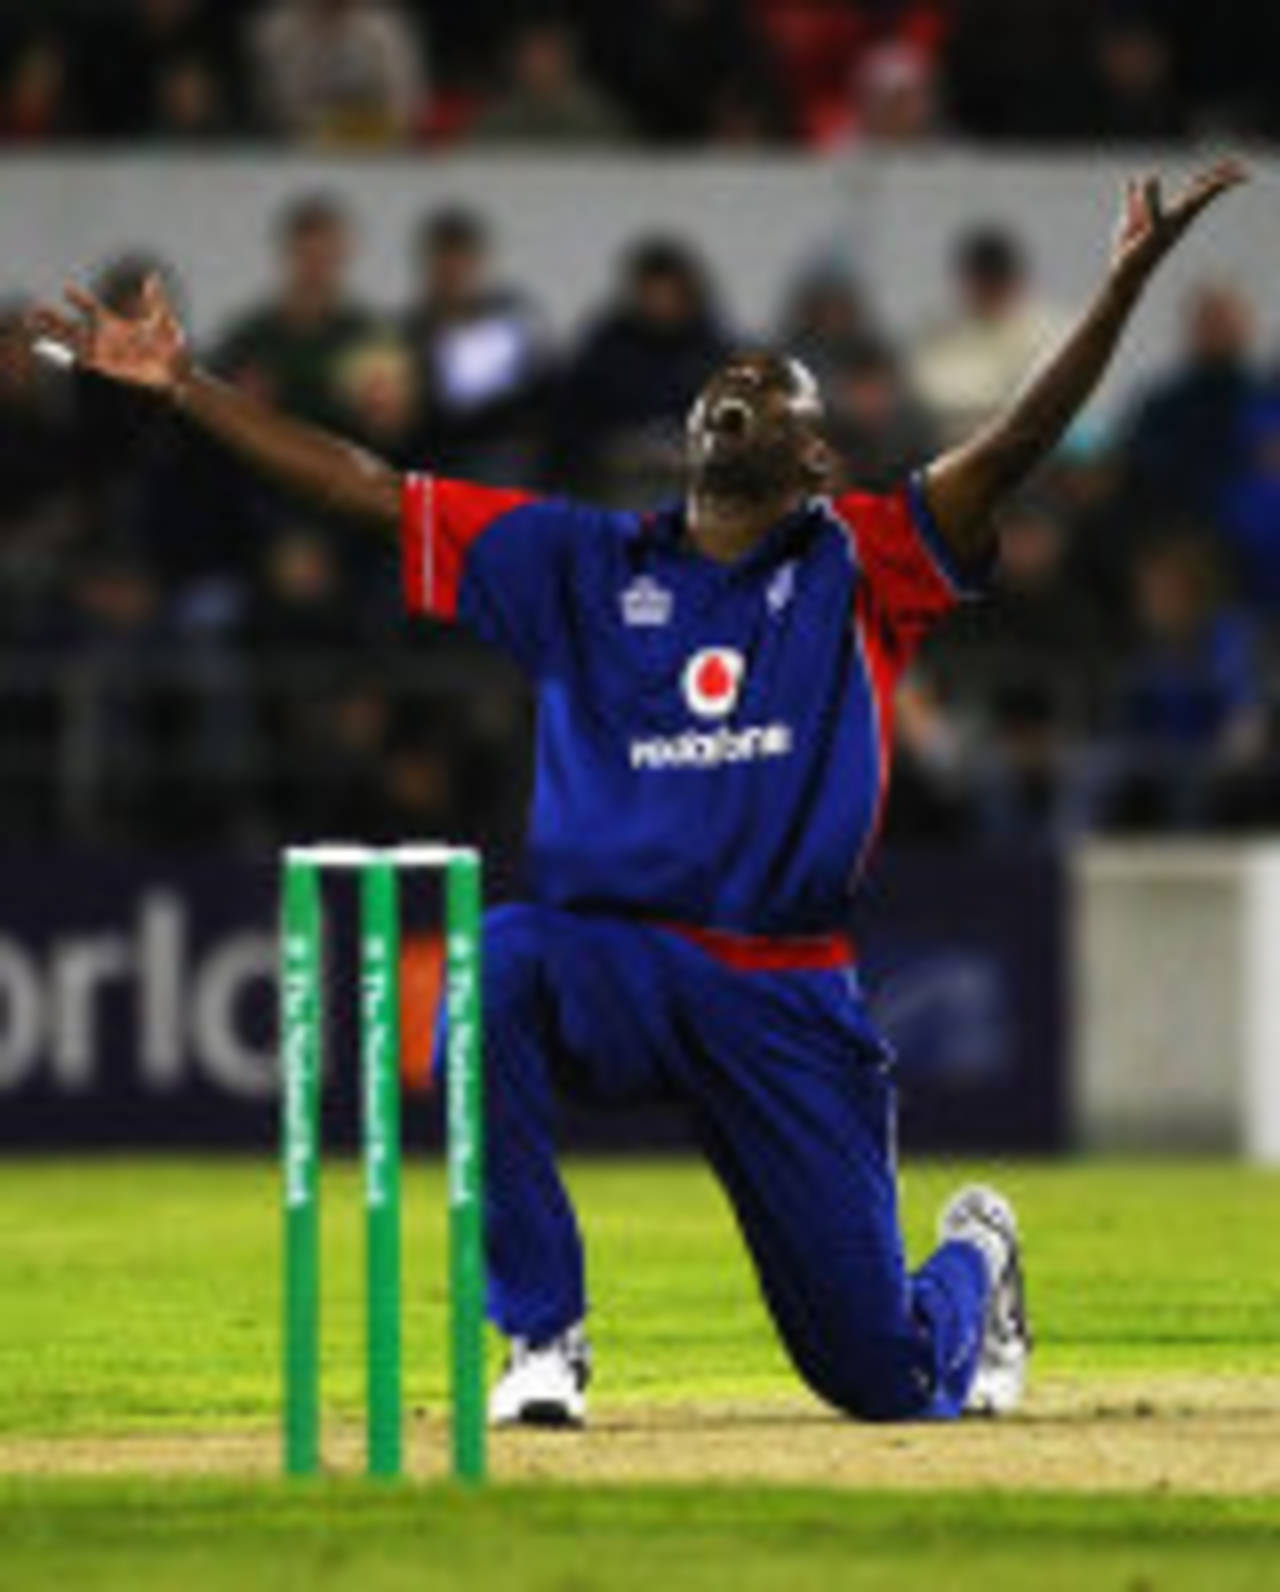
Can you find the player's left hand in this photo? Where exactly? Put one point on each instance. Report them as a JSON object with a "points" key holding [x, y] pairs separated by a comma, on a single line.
{"points": [[1149, 226]]}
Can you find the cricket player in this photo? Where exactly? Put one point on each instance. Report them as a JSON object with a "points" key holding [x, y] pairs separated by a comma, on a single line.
{"points": [[715, 689]]}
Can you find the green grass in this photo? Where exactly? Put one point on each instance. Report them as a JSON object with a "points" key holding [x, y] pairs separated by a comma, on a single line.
{"points": [[195, 1537], [143, 1296]]}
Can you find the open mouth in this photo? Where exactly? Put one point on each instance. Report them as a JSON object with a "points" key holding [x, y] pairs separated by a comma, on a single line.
{"points": [[730, 419]]}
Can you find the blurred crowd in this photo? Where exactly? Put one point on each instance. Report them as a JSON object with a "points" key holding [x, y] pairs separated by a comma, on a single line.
{"points": [[823, 73], [186, 657]]}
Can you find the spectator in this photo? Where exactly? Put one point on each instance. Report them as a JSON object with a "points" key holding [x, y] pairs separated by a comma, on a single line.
{"points": [[741, 118], [377, 385], [1191, 708], [37, 518], [620, 428], [1186, 441], [303, 635], [1226, 55], [680, 66], [1019, 72], [481, 355], [967, 367], [299, 608], [895, 97], [129, 730], [35, 104], [190, 105], [878, 427], [462, 42], [930, 802], [1034, 657], [1250, 515], [1025, 777], [292, 348], [825, 312], [420, 775], [547, 101], [1136, 96], [353, 735], [822, 46], [41, 527], [163, 68], [1039, 630], [338, 71], [1084, 483]]}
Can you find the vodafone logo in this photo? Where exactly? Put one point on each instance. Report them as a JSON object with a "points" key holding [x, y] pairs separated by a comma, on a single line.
{"points": [[712, 681]]}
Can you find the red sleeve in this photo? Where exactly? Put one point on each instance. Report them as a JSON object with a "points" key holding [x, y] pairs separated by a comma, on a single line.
{"points": [[908, 576], [440, 521]]}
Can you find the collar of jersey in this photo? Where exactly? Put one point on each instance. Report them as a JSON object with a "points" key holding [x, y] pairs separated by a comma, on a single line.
{"points": [[665, 528]]}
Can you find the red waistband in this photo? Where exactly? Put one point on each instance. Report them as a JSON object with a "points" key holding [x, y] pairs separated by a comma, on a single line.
{"points": [[752, 953]]}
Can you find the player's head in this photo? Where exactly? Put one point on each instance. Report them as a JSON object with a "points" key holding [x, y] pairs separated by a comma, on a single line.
{"points": [[756, 431]]}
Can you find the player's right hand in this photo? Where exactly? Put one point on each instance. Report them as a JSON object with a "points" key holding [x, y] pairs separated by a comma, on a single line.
{"points": [[148, 349]]}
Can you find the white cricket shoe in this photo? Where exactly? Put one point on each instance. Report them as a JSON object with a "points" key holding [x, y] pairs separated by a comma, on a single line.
{"points": [[985, 1219], [543, 1384]]}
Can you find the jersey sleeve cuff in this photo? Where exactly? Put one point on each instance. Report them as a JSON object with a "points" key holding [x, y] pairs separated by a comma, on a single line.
{"points": [[967, 578], [417, 538]]}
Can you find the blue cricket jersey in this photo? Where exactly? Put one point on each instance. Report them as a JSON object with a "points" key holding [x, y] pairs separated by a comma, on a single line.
{"points": [[713, 741]]}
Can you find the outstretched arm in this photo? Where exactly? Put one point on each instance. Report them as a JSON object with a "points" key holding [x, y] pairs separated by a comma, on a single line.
{"points": [[964, 486], [150, 351]]}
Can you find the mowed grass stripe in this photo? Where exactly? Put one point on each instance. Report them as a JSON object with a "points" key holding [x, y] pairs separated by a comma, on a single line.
{"points": [[144, 1295]]}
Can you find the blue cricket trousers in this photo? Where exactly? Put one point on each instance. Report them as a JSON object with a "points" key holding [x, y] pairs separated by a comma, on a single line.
{"points": [[787, 1084]]}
